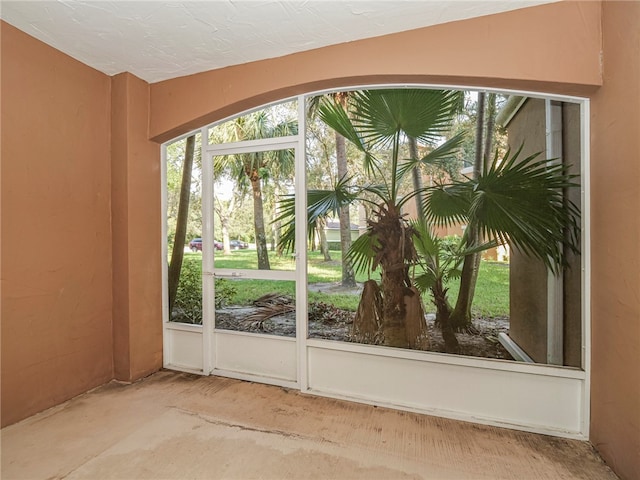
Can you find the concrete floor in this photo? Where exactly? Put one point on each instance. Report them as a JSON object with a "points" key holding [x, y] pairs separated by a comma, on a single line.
{"points": [[175, 426]]}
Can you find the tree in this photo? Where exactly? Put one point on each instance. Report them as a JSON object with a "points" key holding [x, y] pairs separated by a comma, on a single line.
{"points": [[177, 254], [175, 167], [485, 120], [255, 167], [348, 275]]}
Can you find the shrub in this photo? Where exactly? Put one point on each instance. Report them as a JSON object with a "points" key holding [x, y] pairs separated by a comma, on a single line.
{"points": [[188, 303]]}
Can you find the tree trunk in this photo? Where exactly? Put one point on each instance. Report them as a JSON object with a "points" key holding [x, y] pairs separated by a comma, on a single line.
{"points": [[461, 315], [416, 325], [226, 245], [324, 245], [277, 226], [394, 253], [367, 323], [224, 215], [258, 224], [439, 294], [417, 176], [181, 223], [491, 121], [348, 276]]}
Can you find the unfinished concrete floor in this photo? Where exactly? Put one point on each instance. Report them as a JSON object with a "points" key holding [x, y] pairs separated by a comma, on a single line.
{"points": [[178, 426]]}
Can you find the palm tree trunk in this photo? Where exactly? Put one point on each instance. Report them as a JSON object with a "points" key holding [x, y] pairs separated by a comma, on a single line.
{"points": [[461, 315], [417, 177], [324, 244], [491, 121], [396, 251], [348, 276], [439, 294], [177, 254], [258, 224]]}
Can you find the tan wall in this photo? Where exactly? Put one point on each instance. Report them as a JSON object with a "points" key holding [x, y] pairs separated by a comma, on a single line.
{"points": [[572, 277], [615, 217], [528, 276], [137, 234], [56, 238]]}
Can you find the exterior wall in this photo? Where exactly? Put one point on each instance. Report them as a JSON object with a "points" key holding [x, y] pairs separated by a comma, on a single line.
{"points": [[527, 276], [615, 225], [333, 235], [56, 239], [572, 277]]}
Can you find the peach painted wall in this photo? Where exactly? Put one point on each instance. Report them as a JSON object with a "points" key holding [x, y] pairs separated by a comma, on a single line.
{"points": [[136, 232], [554, 48], [56, 233], [615, 295]]}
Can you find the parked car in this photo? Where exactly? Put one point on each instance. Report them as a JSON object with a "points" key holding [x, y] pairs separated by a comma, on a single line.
{"points": [[196, 245], [238, 244]]}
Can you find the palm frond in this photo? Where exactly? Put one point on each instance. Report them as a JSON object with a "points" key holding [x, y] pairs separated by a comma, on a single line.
{"points": [[335, 116], [522, 202], [320, 203], [435, 157], [447, 204], [426, 115], [362, 253]]}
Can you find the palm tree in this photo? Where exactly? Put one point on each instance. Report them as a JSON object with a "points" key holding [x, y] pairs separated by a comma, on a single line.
{"points": [[253, 168], [377, 122], [520, 202], [348, 275]]}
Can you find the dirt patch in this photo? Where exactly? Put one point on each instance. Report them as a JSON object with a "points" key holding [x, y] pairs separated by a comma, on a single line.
{"points": [[335, 324]]}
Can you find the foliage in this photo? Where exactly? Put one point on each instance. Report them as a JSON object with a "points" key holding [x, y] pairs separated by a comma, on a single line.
{"points": [[188, 303], [175, 161], [377, 123], [515, 201], [226, 292]]}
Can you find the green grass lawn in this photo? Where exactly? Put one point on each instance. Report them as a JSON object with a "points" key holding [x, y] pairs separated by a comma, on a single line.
{"points": [[491, 296]]}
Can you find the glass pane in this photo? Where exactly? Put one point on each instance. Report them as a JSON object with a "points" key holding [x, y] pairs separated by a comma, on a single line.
{"points": [[258, 306], [251, 201], [279, 120], [483, 307], [187, 302]]}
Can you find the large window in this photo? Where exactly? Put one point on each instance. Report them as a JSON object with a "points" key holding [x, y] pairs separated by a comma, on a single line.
{"points": [[391, 225]]}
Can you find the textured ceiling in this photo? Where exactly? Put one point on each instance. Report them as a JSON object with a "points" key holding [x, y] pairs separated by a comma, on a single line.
{"points": [[160, 40]]}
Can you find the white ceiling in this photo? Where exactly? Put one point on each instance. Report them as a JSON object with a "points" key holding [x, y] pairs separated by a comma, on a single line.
{"points": [[159, 40]]}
